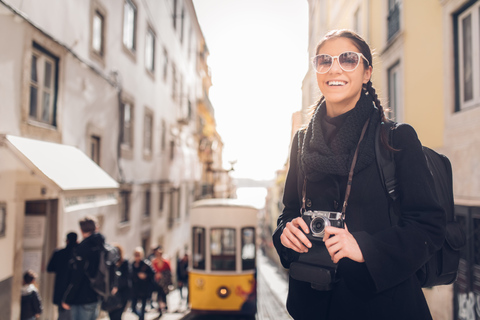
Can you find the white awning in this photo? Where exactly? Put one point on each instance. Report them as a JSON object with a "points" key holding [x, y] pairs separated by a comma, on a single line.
{"points": [[66, 166]]}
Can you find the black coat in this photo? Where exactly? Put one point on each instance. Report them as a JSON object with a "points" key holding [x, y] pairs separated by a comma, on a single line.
{"points": [[87, 257], [385, 285], [142, 288], [60, 264], [31, 303]]}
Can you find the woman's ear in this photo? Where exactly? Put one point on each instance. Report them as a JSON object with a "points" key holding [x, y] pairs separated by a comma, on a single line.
{"points": [[367, 74]]}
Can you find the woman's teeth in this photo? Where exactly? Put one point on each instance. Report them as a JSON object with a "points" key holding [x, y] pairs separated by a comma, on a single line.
{"points": [[336, 83]]}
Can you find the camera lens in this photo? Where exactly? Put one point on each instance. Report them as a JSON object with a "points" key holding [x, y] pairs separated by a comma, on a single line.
{"points": [[317, 225]]}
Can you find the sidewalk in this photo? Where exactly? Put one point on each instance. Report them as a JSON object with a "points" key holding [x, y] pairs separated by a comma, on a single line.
{"points": [[176, 310]]}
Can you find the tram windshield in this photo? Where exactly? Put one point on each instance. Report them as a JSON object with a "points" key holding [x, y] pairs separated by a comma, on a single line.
{"points": [[222, 248]]}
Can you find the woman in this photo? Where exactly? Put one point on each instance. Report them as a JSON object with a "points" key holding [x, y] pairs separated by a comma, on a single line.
{"points": [[163, 277], [142, 279], [368, 263], [124, 284]]}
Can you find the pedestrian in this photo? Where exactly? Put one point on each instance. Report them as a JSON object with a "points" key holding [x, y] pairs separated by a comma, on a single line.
{"points": [[352, 262], [182, 275], [124, 284], [163, 277], [80, 297], [31, 303], [142, 281], [60, 264]]}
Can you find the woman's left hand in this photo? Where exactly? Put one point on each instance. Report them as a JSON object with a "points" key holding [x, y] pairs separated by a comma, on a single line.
{"points": [[340, 244]]}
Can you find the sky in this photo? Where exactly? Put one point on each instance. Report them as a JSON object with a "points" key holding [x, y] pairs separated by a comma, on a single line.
{"points": [[258, 59]]}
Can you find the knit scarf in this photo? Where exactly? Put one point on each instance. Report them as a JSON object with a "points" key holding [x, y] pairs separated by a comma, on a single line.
{"points": [[319, 158]]}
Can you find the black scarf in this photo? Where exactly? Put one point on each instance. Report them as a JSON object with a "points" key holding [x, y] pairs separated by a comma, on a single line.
{"points": [[319, 158]]}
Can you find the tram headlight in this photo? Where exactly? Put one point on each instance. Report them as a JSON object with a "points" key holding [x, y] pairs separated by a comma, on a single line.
{"points": [[223, 292]]}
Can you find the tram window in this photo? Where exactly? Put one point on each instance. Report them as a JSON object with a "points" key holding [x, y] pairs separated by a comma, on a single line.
{"points": [[248, 248], [222, 248], [198, 245]]}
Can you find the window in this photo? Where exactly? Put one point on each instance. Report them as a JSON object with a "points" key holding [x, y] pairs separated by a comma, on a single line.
{"points": [[468, 64], [173, 213], [222, 248], [172, 150], [466, 287], [127, 125], [248, 248], [182, 24], [174, 14], [129, 25], [43, 86], [148, 133], [394, 91], [150, 51], [3, 219], [174, 82], [98, 25], [163, 139], [147, 202], [125, 205], [161, 200], [393, 18], [165, 64], [198, 248], [95, 149]]}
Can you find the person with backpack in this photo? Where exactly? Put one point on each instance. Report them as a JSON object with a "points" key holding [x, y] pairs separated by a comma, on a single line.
{"points": [[60, 265], [142, 281], [80, 296], [124, 284], [347, 257]]}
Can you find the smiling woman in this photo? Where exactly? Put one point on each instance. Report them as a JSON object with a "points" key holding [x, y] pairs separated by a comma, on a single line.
{"points": [[335, 233]]}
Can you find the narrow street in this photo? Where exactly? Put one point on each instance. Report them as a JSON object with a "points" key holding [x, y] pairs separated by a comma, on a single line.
{"points": [[272, 292]]}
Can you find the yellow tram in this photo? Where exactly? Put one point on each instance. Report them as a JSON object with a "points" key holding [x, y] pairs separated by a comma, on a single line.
{"points": [[222, 272]]}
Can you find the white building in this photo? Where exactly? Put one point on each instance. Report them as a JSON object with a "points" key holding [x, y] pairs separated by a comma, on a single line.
{"points": [[97, 117]]}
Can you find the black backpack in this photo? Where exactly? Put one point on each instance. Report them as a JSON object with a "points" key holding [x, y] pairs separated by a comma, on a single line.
{"points": [[106, 276], [442, 267]]}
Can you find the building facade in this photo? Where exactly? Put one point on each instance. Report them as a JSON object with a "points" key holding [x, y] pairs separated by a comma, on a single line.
{"points": [[99, 115]]}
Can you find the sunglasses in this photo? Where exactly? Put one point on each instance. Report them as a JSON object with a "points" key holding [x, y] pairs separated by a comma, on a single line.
{"points": [[348, 61]]}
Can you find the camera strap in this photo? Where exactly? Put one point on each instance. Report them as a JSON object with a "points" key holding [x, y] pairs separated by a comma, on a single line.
{"points": [[350, 176]]}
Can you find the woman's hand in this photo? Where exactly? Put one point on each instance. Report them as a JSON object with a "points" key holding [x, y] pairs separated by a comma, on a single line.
{"points": [[294, 238], [340, 244]]}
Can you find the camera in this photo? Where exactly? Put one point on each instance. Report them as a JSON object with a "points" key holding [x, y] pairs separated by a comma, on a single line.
{"points": [[316, 265], [318, 220]]}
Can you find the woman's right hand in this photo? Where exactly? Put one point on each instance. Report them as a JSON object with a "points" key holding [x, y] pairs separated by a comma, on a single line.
{"points": [[294, 238]]}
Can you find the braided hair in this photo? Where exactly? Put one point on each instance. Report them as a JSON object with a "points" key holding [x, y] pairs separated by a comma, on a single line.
{"points": [[364, 48]]}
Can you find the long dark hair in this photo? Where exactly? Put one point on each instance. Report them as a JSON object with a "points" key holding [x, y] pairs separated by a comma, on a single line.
{"points": [[364, 49]]}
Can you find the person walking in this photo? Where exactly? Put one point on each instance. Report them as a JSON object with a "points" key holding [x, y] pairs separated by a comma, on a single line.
{"points": [[347, 259], [60, 264], [80, 297], [31, 303], [163, 277], [124, 284], [142, 281], [182, 275]]}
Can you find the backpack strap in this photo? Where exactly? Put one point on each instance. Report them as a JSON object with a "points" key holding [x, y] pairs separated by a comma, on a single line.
{"points": [[386, 161]]}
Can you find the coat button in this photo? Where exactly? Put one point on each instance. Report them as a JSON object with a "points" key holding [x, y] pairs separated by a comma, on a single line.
{"points": [[308, 203]]}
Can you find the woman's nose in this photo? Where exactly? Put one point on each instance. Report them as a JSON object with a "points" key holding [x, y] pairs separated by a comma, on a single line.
{"points": [[335, 66]]}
